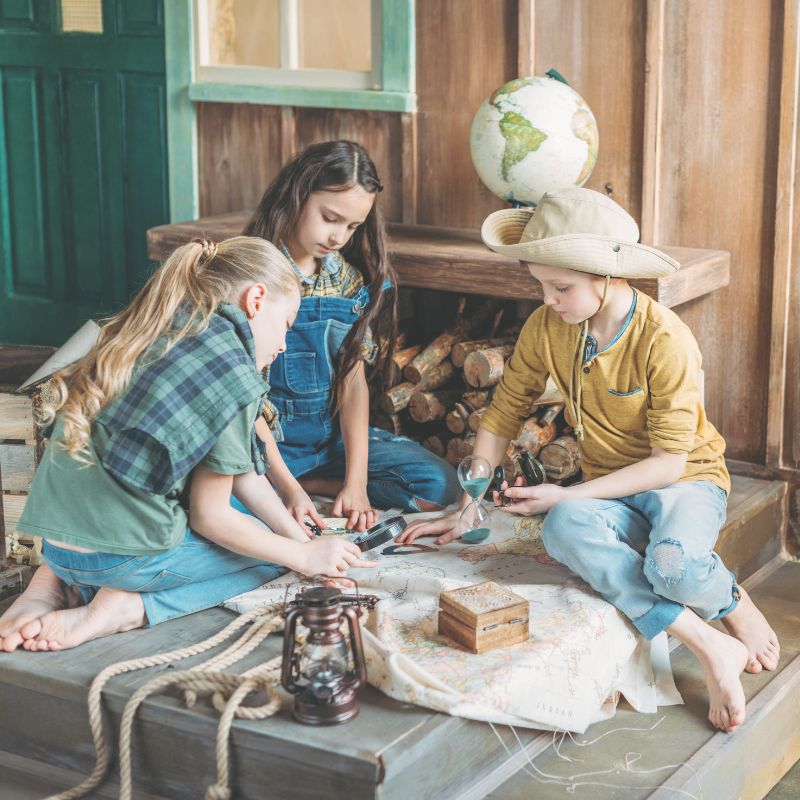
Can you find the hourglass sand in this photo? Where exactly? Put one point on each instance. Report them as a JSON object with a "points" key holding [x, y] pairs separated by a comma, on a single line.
{"points": [[474, 475]]}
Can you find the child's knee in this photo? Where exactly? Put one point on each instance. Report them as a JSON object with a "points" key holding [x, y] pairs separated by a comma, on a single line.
{"points": [[675, 574], [435, 485]]}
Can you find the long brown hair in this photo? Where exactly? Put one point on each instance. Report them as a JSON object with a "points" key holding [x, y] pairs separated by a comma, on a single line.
{"points": [[194, 280], [336, 167]]}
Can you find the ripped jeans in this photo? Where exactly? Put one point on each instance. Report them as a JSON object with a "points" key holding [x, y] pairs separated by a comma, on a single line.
{"points": [[650, 554]]}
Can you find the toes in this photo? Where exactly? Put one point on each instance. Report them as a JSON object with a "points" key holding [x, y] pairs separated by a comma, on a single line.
{"points": [[11, 642], [769, 660], [30, 630], [753, 666], [735, 718]]}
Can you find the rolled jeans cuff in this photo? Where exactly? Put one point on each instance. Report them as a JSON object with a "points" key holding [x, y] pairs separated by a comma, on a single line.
{"points": [[658, 618], [735, 597]]}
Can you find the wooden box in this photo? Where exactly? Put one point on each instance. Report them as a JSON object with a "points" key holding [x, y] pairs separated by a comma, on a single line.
{"points": [[483, 616]]}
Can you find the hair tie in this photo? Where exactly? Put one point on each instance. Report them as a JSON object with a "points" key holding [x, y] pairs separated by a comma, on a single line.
{"points": [[209, 250]]}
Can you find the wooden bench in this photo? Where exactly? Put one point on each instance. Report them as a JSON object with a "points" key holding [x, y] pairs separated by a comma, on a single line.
{"points": [[455, 260]]}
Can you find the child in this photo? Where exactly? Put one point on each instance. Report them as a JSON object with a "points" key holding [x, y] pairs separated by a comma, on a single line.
{"points": [[321, 210], [642, 527], [156, 424]]}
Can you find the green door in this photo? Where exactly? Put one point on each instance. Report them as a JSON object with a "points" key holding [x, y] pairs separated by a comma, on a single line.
{"points": [[83, 159]]}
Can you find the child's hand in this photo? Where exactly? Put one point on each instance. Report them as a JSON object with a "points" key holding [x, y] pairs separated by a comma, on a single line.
{"points": [[331, 557], [353, 503], [530, 500], [299, 505], [445, 527], [504, 499]]}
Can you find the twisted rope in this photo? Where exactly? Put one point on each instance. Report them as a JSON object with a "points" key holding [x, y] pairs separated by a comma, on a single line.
{"points": [[206, 678], [265, 619]]}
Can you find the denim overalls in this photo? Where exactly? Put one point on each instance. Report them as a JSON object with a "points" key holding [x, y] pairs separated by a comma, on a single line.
{"points": [[400, 471]]}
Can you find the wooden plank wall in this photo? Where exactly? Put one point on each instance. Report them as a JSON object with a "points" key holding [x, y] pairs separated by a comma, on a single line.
{"points": [[695, 104]]}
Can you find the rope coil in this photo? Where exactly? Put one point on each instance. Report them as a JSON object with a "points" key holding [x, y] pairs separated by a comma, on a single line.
{"points": [[226, 690]]}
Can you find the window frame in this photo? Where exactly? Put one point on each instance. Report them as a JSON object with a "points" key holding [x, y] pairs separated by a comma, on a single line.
{"points": [[395, 66], [288, 73]]}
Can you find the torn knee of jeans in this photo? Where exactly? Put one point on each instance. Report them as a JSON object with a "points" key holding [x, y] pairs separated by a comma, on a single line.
{"points": [[667, 560]]}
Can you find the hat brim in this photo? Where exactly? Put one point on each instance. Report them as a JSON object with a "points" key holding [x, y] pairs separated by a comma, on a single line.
{"points": [[597, 255]]}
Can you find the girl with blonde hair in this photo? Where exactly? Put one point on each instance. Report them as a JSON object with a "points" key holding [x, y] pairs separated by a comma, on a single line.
{"points": [[150, 435]]}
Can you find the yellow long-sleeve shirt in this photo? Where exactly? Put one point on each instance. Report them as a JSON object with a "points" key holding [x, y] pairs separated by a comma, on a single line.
{"points": [[640, 392]]}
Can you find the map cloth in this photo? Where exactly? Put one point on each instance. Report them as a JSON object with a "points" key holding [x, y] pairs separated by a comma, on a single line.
{"points": [[582, 654]]}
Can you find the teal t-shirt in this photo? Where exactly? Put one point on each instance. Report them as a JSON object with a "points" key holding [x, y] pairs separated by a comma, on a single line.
{"points": [[86, 506]]}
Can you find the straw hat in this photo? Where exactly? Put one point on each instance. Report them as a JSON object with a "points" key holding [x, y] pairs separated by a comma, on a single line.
{"points": [[578, 229]]}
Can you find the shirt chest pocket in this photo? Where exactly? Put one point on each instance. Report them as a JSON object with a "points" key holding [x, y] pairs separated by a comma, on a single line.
{"points": [[626, 406], [628, 393]]}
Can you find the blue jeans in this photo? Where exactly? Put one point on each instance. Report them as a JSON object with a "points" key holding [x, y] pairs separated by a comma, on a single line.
{"points": [[196, 575], [400, 472], [650, 554]]}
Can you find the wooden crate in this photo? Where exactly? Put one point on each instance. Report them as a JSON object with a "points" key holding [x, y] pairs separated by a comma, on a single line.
{"points": [[16, 418], [17, 465]]}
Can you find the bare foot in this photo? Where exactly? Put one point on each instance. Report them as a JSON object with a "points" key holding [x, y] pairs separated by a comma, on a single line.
{"points": [[722, 664], [751, 628], [46, 592], [111, 611], [722, 658]]}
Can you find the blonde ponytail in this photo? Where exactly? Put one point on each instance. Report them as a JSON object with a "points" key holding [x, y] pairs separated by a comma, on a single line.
{"points": [[186, 289]]}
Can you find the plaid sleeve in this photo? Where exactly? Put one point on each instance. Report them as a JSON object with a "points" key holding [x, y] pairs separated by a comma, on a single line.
{"points": [[369, 350]]}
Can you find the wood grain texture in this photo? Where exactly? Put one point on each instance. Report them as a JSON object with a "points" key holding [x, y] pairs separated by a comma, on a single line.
{"points": [[598, 45], [718, 189], [783, 429], [17, 465], [16, 417], [465, 50], [239, 153], [526, 37], [452, 259]]}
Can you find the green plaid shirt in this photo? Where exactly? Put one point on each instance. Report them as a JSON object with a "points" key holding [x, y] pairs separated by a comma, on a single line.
{"points": [[178, 403]]}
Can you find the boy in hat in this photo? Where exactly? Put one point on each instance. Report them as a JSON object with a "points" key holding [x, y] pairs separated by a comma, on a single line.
{"points": [[641, 528]]}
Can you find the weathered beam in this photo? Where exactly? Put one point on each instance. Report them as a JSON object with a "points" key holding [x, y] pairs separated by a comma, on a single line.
{"points": [[454, 259]]}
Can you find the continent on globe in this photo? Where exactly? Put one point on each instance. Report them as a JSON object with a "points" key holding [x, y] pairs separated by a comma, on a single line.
{"points": [[521, 139]]}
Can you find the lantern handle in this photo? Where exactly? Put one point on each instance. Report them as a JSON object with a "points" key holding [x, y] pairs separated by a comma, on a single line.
{"points": [[288, 661], [359, 678]]}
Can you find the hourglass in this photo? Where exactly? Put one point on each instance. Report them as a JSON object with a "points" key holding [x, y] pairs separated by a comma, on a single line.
{"points": [[474, 475]]}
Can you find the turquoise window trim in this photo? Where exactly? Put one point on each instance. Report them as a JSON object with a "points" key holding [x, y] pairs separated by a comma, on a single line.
{"points": [[184, 193], [367, 99], [397, 92]]}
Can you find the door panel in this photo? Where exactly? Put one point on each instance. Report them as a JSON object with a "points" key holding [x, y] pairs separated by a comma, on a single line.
{"points": [[83, 165]]}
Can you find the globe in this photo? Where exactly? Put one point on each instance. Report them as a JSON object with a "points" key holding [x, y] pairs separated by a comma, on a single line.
{"points": [[531, 136]]}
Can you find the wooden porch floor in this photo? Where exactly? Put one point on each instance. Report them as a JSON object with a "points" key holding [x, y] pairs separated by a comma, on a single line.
{"points": [[391, 750]]}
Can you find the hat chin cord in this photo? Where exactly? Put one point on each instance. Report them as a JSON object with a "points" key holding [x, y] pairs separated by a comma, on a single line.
{"points": [[576, 382]]}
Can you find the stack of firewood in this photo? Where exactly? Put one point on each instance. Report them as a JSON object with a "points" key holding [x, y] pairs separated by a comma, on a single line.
{"points": [[440, 392]]}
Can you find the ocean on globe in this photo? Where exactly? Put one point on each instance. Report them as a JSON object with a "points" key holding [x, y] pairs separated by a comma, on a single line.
{"points": [[531, 136]]}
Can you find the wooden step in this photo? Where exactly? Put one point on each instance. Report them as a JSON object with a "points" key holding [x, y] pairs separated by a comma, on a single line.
{"points": [[713, 766], [391, 750], [752, 534]]}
